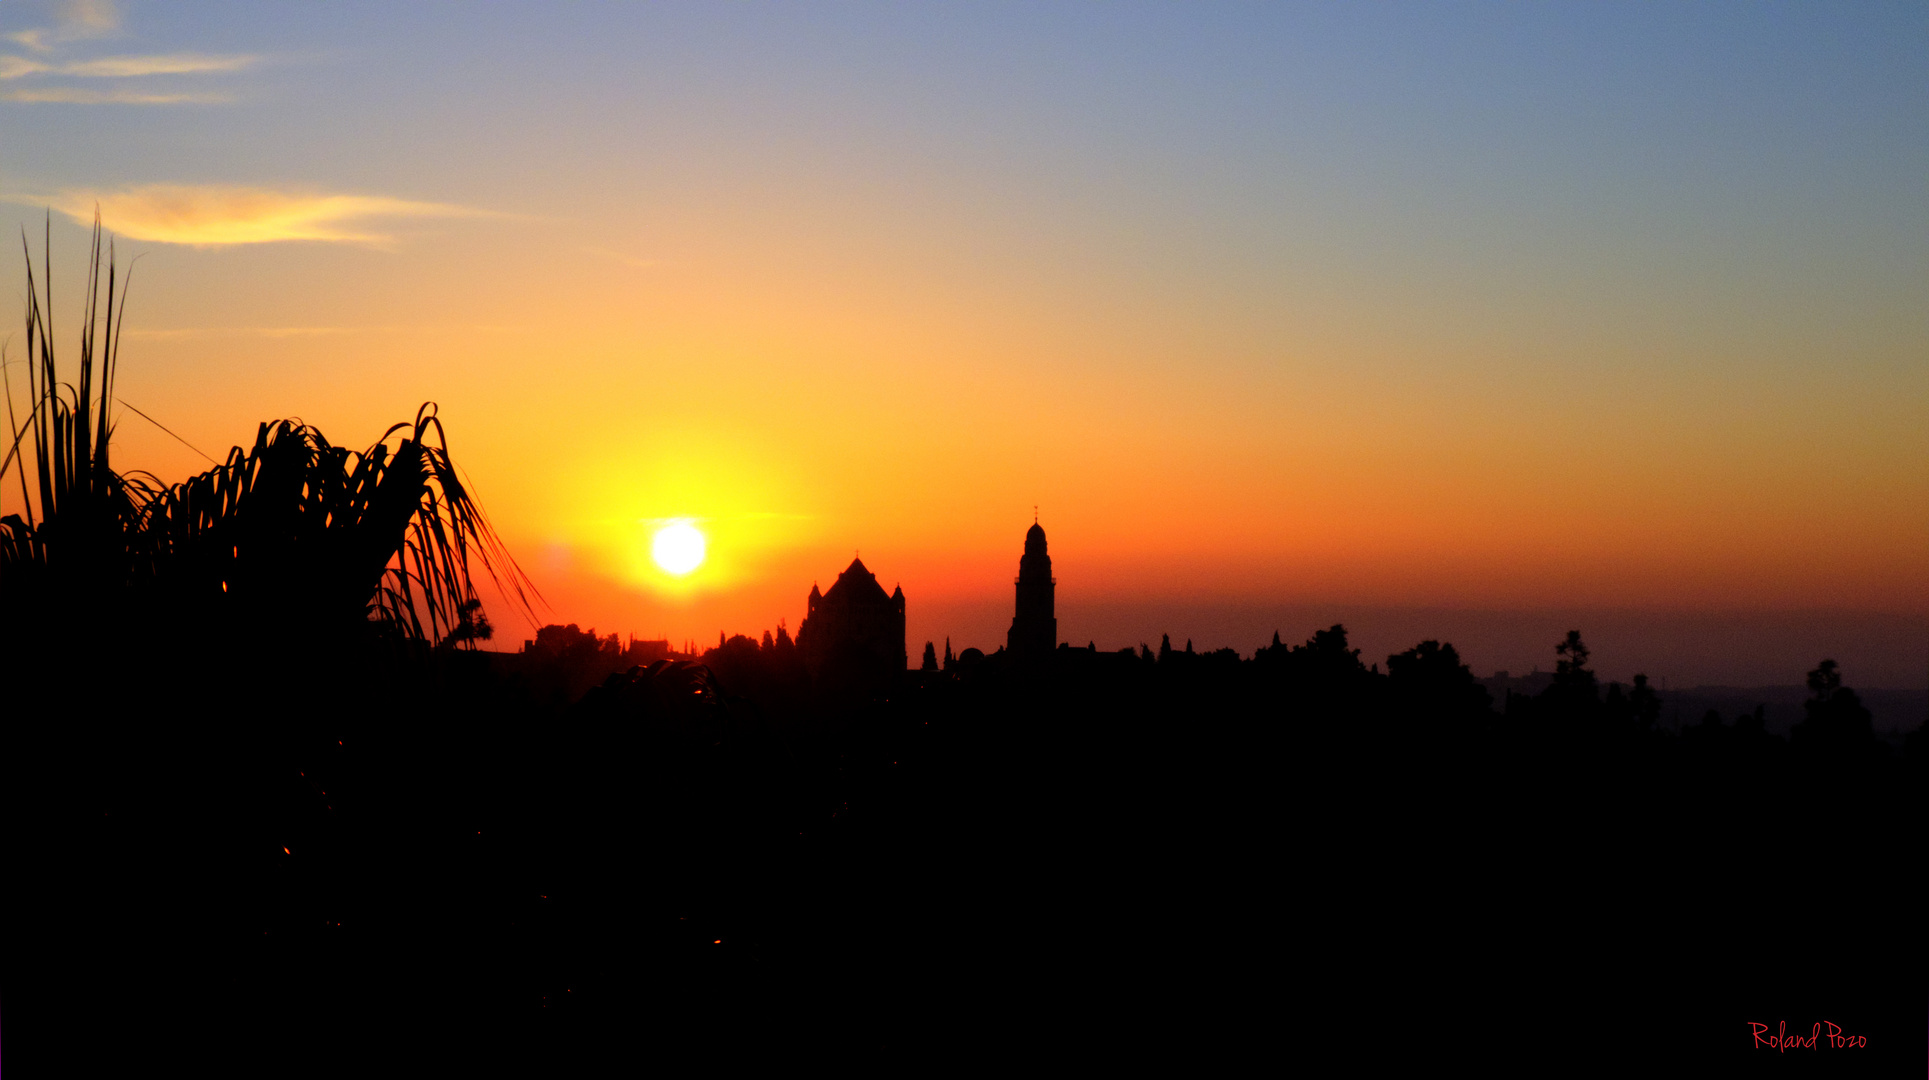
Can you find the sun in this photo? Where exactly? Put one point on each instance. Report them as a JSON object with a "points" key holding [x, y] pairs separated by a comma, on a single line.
{"points": [[677, 547]]}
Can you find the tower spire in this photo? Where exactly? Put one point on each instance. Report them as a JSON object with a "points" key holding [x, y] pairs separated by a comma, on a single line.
{"points": [[1034, 625]]}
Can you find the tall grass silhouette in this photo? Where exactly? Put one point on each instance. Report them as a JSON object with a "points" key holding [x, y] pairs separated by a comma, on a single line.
{"points": [[293, 533]]}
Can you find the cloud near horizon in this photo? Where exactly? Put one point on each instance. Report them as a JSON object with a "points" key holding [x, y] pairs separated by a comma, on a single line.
{"points": [[214, 216]]}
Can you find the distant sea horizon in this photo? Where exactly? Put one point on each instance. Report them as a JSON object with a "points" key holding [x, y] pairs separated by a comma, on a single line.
{"points": [[1675, 649]]}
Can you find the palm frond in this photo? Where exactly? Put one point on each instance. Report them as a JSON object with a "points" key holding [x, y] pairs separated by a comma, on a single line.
{"points": [[294, 531]]}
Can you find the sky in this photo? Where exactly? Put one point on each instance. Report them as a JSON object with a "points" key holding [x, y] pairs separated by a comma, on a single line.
{"points": [[1446, 319]]}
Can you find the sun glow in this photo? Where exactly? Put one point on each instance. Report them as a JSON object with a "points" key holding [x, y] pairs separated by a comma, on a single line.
{"points": [[678, 547]]}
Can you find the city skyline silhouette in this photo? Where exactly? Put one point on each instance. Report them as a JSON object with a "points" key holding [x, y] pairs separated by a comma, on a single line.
{"points": [[524, 541]]}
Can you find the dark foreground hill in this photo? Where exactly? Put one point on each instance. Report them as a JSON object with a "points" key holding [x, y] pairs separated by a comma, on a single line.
{"points": [[1178, 860]]}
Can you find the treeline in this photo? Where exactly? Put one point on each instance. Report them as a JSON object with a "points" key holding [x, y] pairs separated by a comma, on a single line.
{"points": [[1425, 691], [1383, 826], [1096, 854]]}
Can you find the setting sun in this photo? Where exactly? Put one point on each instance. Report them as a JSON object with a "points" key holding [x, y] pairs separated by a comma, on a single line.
{"points": [[827, 453], [678, 547]]}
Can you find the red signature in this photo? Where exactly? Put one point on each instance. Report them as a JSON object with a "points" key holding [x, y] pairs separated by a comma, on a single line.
{"points": [[1784, 1042]]}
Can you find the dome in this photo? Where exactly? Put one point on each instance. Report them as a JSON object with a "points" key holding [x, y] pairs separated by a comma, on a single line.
{"points": [[1035, 539]]}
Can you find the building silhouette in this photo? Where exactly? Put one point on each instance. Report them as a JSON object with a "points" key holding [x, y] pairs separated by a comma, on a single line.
{"points": [[1034, 628], [853, 633]]}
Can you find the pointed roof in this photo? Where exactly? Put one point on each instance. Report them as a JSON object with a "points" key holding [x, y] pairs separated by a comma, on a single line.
{"points": [[856, 584]]}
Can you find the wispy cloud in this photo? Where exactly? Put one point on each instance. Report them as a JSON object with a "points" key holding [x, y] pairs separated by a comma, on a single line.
{"points": [[74, 20], [84, 19], [627, 260], [211, 216], [181, 333], [87, 18], [189, 332], [125, 67], [70, 95]]}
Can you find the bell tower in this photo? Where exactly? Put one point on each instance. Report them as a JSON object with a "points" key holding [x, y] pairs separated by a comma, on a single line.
{"points": [[1034, 629]]}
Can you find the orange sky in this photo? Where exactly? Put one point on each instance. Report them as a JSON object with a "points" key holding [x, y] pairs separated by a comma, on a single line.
{"points": [[1290, 313]]}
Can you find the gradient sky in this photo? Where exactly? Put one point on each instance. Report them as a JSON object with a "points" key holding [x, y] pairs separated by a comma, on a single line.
{"points": [[1520, 315]]}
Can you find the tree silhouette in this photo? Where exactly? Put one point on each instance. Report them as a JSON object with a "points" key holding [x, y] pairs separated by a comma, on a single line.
{"points": [[1571, 671], [1834, 719], [1429, 682]]}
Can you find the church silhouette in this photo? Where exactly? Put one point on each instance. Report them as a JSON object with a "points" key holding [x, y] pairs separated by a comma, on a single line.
{"points": [[853, 634]]}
